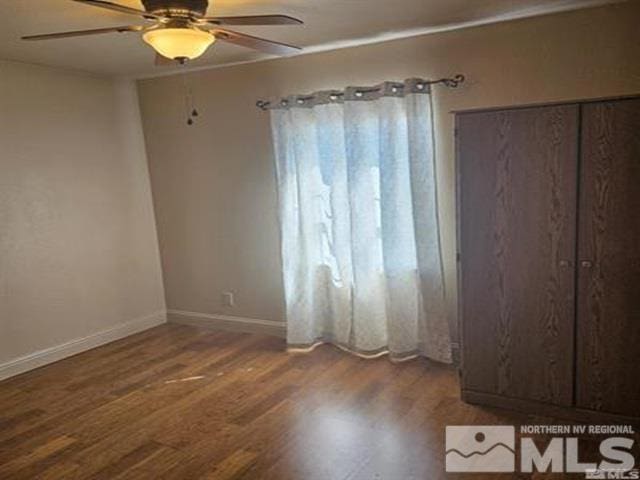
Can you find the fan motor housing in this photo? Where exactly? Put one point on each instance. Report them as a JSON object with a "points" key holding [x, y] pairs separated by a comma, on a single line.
{"points": [[177, 7]]}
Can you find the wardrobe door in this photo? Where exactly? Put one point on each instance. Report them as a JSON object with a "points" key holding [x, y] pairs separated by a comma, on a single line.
{"points": [[517, 203], [608, 347]]}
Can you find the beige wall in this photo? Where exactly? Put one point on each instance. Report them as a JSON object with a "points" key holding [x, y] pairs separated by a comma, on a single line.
{"points": [[78, 246], [214, 185]]}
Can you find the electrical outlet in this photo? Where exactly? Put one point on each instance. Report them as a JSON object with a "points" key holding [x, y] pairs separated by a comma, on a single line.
{"points": [[227, 299]]}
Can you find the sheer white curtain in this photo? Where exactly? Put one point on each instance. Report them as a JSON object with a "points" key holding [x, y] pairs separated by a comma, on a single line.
{"points": [[362, 264]]}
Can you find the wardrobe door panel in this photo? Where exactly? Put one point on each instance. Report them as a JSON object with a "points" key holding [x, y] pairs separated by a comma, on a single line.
{"points": [[517, 202], [608, 336]]}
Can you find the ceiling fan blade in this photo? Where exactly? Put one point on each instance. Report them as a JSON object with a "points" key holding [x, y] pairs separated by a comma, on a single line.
{"points": [[118, 8], [254, 20], [81, 33], [261, 44]]}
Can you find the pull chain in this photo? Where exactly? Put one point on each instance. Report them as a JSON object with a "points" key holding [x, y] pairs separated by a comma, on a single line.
{"points": [[190, 109], [194, 110]]}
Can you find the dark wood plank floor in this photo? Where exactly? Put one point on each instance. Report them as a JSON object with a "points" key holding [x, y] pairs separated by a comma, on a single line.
{"points": [[177, 402]]}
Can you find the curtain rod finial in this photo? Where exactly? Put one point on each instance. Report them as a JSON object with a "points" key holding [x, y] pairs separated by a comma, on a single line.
{"points": [[455, 81]]}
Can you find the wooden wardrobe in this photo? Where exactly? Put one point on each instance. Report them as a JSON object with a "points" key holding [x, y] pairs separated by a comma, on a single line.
{"points": [[549, 258]]}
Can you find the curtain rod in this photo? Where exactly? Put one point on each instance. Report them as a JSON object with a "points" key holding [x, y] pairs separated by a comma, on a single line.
{"points": [[447, 82]]}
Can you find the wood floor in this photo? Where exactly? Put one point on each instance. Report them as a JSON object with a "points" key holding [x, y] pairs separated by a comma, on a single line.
{"points": [[178, 402]]}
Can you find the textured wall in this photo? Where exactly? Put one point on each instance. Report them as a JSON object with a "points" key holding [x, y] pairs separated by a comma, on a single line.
{"points": [[213, 183], [78, 245]]}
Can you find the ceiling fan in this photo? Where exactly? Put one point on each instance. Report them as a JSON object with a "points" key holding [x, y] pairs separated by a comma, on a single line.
{"points": [[181, 30]]}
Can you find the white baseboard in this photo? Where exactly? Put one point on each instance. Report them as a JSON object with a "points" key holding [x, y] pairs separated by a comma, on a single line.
{"points": [[79, 345], [228, 322]]}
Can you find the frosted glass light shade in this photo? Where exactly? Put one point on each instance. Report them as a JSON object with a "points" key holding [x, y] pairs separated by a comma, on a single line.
{"points": [[178, 43]]}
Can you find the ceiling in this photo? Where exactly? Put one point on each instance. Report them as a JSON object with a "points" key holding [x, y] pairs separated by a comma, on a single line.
{"points": [[328, 24]]}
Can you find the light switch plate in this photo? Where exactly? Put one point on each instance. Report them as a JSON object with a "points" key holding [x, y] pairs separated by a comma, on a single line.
{"points": [[227, 299]]}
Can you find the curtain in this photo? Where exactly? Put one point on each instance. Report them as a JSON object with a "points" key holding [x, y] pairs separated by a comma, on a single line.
{"points": [[362, 265]]}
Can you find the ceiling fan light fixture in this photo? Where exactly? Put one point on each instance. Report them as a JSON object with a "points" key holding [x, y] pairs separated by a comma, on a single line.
{"points": [[179, 43]]}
